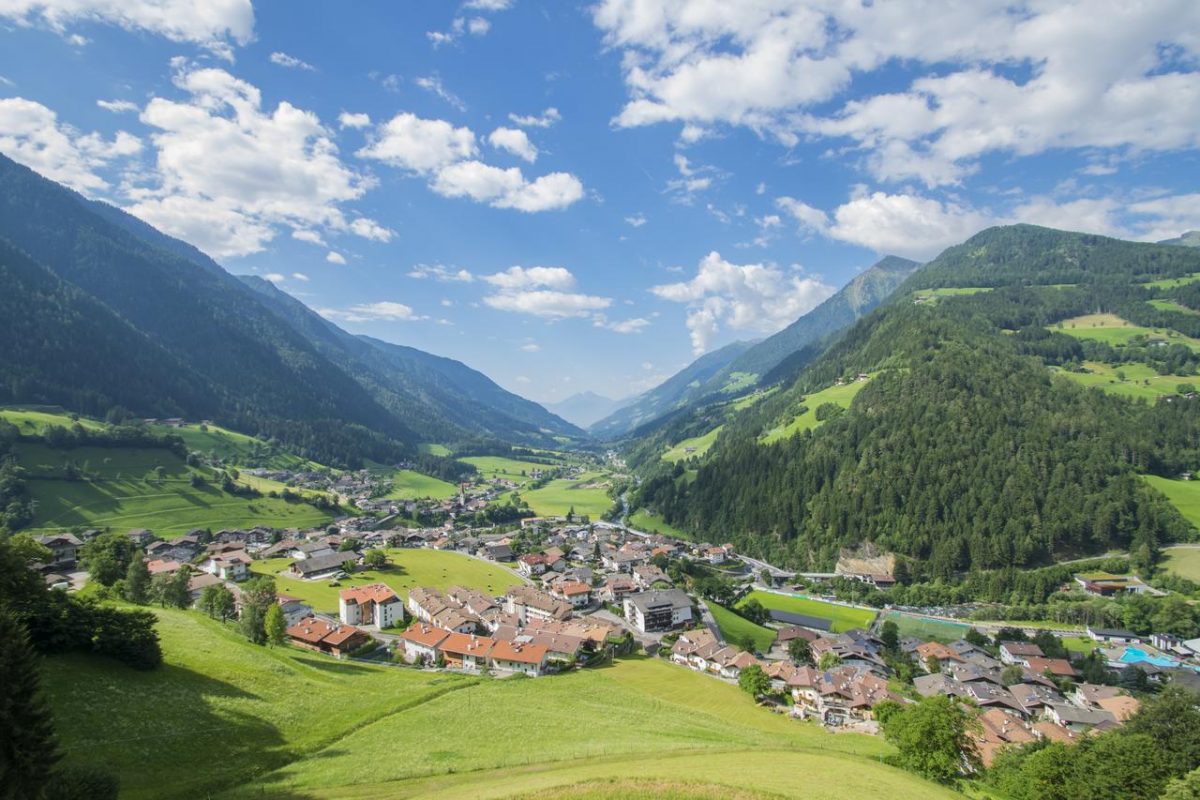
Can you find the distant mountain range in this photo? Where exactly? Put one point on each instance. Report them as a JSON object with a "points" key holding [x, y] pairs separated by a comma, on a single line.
{"points": [[102, 310], [740, 366], [585, 408]]}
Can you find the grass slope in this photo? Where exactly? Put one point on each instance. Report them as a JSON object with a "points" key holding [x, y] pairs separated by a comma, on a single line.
{"points": [[35, 419], [735, 628], [587, 495], [410, 485], [1183, 561], [841, 395], [1139, 380], [408, 568], [125, 492], [842, 617], [1184, 495], [643, 520], [1116, 331], [699, 445]]}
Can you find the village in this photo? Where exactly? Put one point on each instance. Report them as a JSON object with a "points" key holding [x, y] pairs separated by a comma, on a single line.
{"points": [[584, 593]]}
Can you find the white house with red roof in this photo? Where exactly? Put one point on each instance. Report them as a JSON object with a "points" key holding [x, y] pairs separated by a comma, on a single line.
{"points": [[374, 604]]}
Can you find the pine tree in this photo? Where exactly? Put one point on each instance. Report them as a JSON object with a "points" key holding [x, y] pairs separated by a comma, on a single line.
{"points": [[275, 625], [28, 746], [137, 581]]}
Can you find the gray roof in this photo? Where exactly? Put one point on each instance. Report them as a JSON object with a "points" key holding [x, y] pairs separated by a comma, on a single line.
{"points": [[323, 563], [644, 601]]}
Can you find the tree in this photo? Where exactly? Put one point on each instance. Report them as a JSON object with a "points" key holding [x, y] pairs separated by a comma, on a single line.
{"points": [[1012, 675], [753, 681], [82, 783], [747, 643], [137, 581], [977, 637], [890, 636], [1172, 720], [28, 746], [258, 596], [253, 624], [800, 651], [107, 557], [275, 625], [170, 589], [1186, 787], [754, 611], [829, 660], [375, 559], [933, 738], [932, 665], [217, 602]]}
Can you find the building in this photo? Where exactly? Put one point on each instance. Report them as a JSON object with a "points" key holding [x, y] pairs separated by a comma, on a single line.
{"points": [[658, 611], [1019, 652], [466, 651], [375, 604], [318, 567], [528, 603], [578, 594], [1112, 636], [313, 633], [518, 657], [421, 642], [64, 548], [231, 566]]}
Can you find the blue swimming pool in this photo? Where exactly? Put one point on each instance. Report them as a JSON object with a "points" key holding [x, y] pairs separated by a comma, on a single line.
{"points": [[1136, 655]]}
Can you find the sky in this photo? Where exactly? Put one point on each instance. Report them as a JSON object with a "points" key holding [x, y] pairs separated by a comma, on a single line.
{"points": [[579, 196]]}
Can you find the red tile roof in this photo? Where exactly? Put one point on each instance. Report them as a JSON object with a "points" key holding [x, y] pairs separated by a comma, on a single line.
{"points": [[503, 650]]}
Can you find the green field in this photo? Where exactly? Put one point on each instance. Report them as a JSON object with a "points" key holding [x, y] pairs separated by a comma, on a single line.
{"points": [[841, 395], [226, 718], [124, 492], [643, 520], [933, 295], [1173, 283], [1171, 305], [587, 494], [1184, 495], [1078, 644], [434, 449], [1140, 380], [35, 419], [409, 568], [492, 467], [410, 485], [1182, 561], [842, 617], [735, 628], [925, 628], [699, 445], [1117, 332], [236, 448]]}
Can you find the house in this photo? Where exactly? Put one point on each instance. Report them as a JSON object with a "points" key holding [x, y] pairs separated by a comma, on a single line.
{"points": [[294, 609], [141, 537], [198, 583], [1110, 585], [518, 657], [318, 567], [454, 618], [997, 730], [1112, 636], [466, 651], [617, 588], [231, 566], [579, 595], [939, 653], [421, 642], [531, 564], [1019, 652], [648, 576], [157, 566], [559, 646], [63, 547], [472, 600], [317, 634], [1122, 706], [839, 696], [1077, 719], [658, 610], [496, 552], [1058, 667], [528, 603], [789, 632], [375, 604]]}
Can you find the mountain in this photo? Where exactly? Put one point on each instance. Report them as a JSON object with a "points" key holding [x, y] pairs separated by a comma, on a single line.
{"points": [[756, 360], [441, 397], [669, 394], [183, 336], [979, 419], [585, 408], [1188, 239]]}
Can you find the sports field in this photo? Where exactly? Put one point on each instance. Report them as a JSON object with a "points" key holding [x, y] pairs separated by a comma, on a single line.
{"points": [[409, 567], [735, 628], [843, 617], [840, 395], [925, 628]]}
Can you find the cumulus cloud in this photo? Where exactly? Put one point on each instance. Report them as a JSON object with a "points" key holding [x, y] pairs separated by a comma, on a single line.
{"points": [[634, 325], [291, 62], [334, 257], [542, 292], [117, 106], [488, 5], [274, 277], [543, 120], [441, 273], [229, 173], [753, 297], [370, 229], [348, 120], [420, 145], [309, 236], [986, 77], [214, 25], [515, 141], [31, 134], [385, 310]]}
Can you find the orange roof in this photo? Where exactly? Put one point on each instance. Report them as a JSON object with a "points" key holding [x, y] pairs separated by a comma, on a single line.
{"points": [[464, 644], [938, 650], [341, 634], [504, 650], [158, 565], [570, 588], [427, 635], [1122, 707], [310, 629], [1057, 666], [377, 593]]}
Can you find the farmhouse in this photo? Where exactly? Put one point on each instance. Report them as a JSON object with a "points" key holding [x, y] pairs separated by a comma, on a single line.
{"points": [[375, 604], [658, 611], [64, 548], [317, 567]]}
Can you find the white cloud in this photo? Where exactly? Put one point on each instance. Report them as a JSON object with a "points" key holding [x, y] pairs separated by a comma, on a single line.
{"points": [[310, 236], [755, 297], [636, 220], [334, 257], [117, 106], [905, 224], [370, 229], [441, 273], [478, 26], [385, 310], [691, 180], [274, 277], [31, 134], [544, 120], [213, 25], [634, 325], [810, 219], [531, 347], [420, 145], [542, 292], [300, 276], [291, 62], [488, 5], [348, 120], [991, 77], [240, 169], [515, 141], [433, 83]]}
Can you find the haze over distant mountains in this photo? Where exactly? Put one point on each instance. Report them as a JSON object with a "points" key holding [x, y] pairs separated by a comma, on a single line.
{"points": [[585, 408]]}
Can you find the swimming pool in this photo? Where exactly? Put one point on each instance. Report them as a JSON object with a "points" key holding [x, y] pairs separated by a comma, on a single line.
{"points": [[1136, 655]]}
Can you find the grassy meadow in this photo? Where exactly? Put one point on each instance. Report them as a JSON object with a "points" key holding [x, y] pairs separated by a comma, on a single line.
{"points": [[410, 485], [1184, 495], [843, 618], [643, 520], [492, 467], [841, 395], [1139, 380], [698, 444], [408, 568], [1173, 283], [1116, 331], [933, 295], [1182, 561], [587, 494], [735, 628]]}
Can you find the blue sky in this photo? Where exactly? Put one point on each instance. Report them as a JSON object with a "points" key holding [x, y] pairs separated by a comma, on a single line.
{"points": [[576, 196]]}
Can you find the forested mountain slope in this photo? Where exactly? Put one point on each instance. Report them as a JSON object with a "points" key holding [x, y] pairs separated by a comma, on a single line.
{"points": [[963, 449]]}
